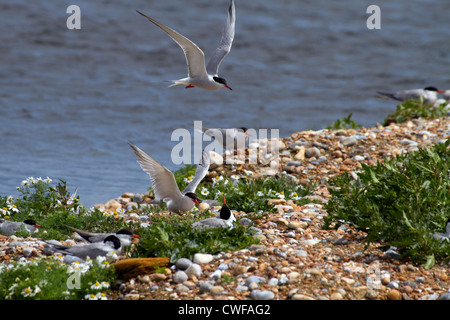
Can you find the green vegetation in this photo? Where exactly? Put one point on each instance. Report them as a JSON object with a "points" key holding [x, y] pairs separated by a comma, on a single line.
{"points": [[173, 237], [52, 207], [344, 123], [413, 109], [400, 202], [245, 193], [49, 279]]}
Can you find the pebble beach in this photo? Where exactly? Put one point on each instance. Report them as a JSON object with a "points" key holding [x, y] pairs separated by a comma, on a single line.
{"points": [[296, 258]]}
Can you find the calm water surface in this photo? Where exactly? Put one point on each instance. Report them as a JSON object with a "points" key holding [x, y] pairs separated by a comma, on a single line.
{"points": [[70, 100]]}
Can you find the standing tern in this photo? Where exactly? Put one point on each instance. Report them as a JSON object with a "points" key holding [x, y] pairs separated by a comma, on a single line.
{"points": [[225, 219], [199, 76], [9, 228], [125, 236], [109, 245], [429, 94], [165, 185], [230, 139]]}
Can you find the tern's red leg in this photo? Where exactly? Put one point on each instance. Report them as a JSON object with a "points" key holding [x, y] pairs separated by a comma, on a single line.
{"points": [[190, 86]]}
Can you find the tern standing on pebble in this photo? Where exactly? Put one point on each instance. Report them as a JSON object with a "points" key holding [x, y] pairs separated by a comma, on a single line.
{"points": [[199, 75], [429, 94]]}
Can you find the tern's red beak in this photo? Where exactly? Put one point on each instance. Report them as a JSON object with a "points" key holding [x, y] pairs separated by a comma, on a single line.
{"points": [[37, 226], [135, 236], [441, 91], [228, 87], [195, 201]]}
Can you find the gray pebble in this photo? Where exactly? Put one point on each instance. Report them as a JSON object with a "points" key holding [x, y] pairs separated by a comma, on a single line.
{"points": [[273, 282], [301, 253], [283, 280], [341, 241], [223, 266], [194, 269], [358, 158], [245, 222], [183, 263], [182, 288], [254, 279], [392, 285], [180, 277], [216, 275], [320, 145], [262, 295], [27, 251], [433, 296], [241, 288], [294, 163], [445, 296], [312, 152], [205, 287], [349, 141], [371, 294]]}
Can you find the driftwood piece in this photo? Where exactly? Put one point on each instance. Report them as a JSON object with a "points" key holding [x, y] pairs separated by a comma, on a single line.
{"points": [[130, 268]]}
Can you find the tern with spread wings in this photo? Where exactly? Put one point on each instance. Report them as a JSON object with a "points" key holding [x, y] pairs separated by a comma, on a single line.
{"points": [[199, 75]]}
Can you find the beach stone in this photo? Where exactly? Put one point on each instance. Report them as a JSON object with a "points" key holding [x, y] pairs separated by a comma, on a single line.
{"points": [[262, 295], [157, 277], [254, 279], [312, 152], [240, 287], [349, 141], [300, 296], [394, 295], [246, 222], [112, 205], [216, 290], [182, 288], [336, 296], [205, 287], [194, 270], [180, 277], [371, 294], [203, 258], [300, 155], [239, 269], [273, 282], [445, 296], [216, 275], [297, 224], [183, 263]]}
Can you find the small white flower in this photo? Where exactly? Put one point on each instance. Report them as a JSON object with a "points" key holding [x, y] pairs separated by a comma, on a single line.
{"points": [[260, 194], [248, 172], [217, 179], [204, 191], [234, 177], [90, 297], [101, 296], [294, 196], [105, 284], [96, 286], [280, 195], [188, 179], [27, 292], [36, 290]]}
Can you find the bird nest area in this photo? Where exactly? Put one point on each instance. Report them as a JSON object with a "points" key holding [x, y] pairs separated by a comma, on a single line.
{"points": [[292, 256]]}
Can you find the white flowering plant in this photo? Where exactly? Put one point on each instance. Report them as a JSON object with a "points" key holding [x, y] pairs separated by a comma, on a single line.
{"points": [[49, 279]]}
